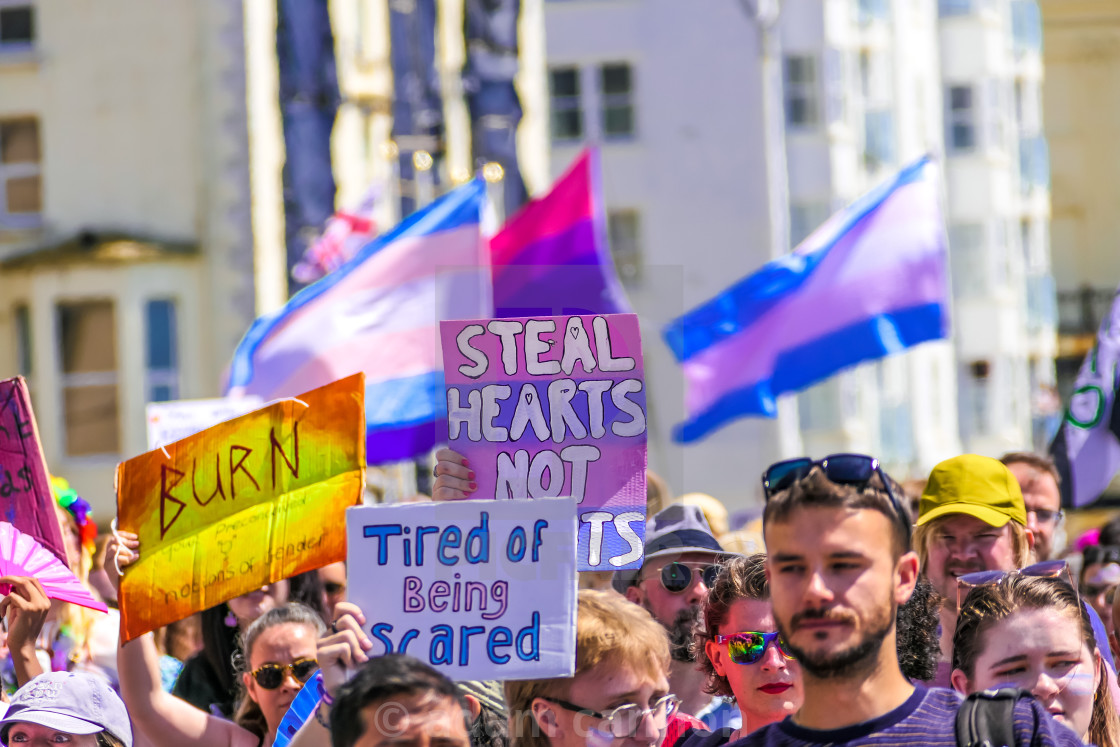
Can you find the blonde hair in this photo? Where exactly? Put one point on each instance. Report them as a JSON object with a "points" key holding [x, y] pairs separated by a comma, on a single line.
{"points": [[924, 534], [610, 631], [715, 513]]}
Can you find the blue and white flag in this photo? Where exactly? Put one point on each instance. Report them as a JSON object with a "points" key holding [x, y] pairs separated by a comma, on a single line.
{"points": [[870, 282], [1086, 449]]}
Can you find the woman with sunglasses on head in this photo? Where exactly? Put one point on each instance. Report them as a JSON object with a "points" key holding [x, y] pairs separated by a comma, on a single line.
{"points": [[279, 656], [1032, 632], [739, 649]]}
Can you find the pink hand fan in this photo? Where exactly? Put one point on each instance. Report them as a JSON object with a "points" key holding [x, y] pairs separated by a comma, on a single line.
{"points": [[21, 555]]}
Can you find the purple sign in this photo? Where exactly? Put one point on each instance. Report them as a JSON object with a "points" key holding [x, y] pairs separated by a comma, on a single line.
{"points": [[556, 406]]}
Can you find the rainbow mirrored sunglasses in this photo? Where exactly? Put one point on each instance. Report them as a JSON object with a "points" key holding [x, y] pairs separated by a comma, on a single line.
{"points": [[749, 646]]}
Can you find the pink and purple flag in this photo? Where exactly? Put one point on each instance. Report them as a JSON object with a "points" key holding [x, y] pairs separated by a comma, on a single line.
{"points": [[379, 313], [869, 282], [552, 256], [1086, 448]]}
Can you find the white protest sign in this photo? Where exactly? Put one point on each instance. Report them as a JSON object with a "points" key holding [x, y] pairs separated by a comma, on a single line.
{"points": [[171, 421], [481, 590]]}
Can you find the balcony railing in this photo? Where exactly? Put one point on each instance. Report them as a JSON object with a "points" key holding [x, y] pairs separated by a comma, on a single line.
{"points": [[1081, 311], [1034, 163]]}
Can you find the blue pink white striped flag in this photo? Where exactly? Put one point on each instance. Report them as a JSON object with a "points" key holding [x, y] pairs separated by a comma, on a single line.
{"points": [[552, 257], [869, 282], [380, 313]]}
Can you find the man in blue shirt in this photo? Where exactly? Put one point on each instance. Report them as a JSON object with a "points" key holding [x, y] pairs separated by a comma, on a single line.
{"points": [[839, 565]]}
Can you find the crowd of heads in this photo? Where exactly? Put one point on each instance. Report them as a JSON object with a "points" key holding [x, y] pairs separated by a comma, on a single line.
{"points": [[962, 579]]}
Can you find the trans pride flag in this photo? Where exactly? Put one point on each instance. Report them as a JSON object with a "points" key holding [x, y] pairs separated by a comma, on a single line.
{"points": [[379, 313], [870, 282], [551, 258]]}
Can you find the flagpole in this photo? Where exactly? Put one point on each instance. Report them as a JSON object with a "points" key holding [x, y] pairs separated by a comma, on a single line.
{"points": [[765, 14]]}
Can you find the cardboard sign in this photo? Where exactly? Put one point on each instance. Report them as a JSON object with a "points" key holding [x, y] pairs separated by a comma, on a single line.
{"points": [[556, 406], [242, 504], [482, 590], [173, 421], [26, 501]]}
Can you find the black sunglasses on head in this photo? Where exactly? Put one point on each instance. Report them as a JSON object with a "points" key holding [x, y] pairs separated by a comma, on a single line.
{"points": [[843, 469]]}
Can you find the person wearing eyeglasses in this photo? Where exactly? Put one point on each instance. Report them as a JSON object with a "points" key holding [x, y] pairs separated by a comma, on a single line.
{"points": [[1039, 479], [681, 561], [619, 695], [1029, 631], [971, 518], [839, 566], [742, 653]]}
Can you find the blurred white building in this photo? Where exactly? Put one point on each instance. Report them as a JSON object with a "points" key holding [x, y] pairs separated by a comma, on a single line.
{"points": [[141, 213], [674, 94], [126, 250]]}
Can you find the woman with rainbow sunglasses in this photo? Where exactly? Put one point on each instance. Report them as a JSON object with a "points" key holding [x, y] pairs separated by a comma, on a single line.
{"points": [[737, 644]]}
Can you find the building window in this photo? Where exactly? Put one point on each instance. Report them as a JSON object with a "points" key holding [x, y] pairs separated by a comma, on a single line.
{"points": [[878, 139], [88, 351], [163, 353], [870, 11], [22, 316], [1026, 26], [567, 111], [801, 91], [804, 218], [624, 229], [616, 82], [968, 260], [17, 25], [21, 189], [961, 118]]}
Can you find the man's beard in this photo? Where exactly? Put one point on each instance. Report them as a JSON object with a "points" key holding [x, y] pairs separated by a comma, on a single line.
{"points": [[680, 634], [850, 662]]}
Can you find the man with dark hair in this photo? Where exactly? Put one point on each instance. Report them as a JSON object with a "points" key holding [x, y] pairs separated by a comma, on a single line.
{"points": [[839, 566], [1039, 479], [400, 699], [681, 561]]}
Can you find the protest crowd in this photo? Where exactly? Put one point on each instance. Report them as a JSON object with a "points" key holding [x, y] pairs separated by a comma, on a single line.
{"points": [[551, 592], [944, 612]]}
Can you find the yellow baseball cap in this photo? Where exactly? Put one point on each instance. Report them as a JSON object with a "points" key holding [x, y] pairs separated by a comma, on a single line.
{"points": [[974, 485]]}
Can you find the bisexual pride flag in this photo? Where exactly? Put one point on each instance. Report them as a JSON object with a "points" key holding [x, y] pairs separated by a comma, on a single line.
{"points": [[380, 313], [869, 282], [552, 257]]}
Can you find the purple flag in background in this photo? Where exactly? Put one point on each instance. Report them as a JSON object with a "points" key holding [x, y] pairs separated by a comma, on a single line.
{"points": [[552, 257], [870, 282], [1087, 447]]}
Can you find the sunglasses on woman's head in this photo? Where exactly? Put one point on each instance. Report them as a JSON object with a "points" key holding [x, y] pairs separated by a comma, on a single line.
{"points": [[676, 577], [271, 676], [842, 469], [1045, 569], [748, 647]]}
